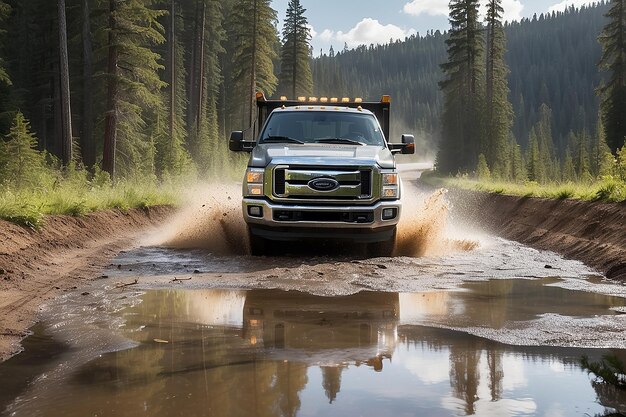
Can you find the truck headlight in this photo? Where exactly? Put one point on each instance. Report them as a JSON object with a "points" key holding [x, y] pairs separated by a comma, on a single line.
{"points": [[254, 182], [390, 185], [390, 178]]}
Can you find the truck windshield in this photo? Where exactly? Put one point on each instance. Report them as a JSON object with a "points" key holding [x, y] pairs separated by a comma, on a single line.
{"points": [[322, 127]]}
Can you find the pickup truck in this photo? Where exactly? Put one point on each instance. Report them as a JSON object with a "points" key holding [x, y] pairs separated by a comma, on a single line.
{"points": [[322, 169]]}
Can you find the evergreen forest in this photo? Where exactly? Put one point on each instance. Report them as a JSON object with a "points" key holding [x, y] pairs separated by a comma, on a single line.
{"points": [[98, 92]]}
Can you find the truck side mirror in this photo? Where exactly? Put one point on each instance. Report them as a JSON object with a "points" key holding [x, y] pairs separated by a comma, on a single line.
{"points": [[235, 143], [408, 142]]}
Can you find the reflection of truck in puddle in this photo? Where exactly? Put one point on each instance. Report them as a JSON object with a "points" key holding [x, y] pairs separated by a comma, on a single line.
{"points": [[359, 328]]}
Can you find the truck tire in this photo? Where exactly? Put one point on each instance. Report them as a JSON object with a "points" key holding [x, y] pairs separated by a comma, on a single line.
{"points": [[258, 245], [384, 248]]}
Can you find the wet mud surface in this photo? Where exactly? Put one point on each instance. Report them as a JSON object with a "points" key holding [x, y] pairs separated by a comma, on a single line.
{"points": [[497, 331], [457, 323]]}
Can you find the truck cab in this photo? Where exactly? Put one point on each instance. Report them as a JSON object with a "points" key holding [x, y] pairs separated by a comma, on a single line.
{"points": [[322, 169]]}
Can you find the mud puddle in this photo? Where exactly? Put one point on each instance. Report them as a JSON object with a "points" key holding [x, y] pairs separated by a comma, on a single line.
{"points": [[269, 352]]}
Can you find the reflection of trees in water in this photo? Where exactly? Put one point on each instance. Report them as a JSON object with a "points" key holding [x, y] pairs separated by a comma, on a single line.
{"points": [[331, 381], [496, 373], [464, 374]]}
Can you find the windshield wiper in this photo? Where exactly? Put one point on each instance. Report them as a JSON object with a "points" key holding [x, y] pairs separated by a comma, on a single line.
{"points": [[340, 140], [279, 139]]}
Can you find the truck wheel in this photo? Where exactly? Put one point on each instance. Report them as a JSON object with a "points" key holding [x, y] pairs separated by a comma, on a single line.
{"points": [[384, 248], [258, 245]]}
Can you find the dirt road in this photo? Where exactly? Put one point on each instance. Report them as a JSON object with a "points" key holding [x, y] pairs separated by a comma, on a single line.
{"points": [[174, 300]]}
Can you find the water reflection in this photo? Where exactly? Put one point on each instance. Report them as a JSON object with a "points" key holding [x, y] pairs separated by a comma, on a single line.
{"points": [[276, 353]]}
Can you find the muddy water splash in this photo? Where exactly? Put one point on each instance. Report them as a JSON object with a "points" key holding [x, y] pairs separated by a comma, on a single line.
{"points": [[423, 229], [210, 219]]}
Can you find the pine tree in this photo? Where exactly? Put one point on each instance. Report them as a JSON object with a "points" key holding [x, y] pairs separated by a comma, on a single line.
{"points": [[5, 10], [482, 169], [602, 160], [498, 108], [206, 148], [581, 157], [518, 168], [21, 164], [542, 130], [613, 94], [536, 166], [254, 38], [295, 69], [170, 133], [568, 172], [462, 88], [134, 86]]}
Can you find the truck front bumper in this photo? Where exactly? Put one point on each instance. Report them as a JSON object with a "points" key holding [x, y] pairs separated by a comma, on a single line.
{"points": [[287, 222]]}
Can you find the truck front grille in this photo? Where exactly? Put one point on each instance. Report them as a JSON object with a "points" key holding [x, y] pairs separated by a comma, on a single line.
{"points": [[293, 182]]}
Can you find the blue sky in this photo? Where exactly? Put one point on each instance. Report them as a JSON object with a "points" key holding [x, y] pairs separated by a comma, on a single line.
{"points": [[356, 22]]}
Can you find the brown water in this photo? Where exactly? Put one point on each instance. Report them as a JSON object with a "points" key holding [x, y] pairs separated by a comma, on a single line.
{"points": [[212, 352]]}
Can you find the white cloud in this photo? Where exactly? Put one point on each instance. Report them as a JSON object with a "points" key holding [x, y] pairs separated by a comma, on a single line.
{"points": [[327, 35], [311, 30], [559, 7], [512, 8], [430, 7], [369, 31]]}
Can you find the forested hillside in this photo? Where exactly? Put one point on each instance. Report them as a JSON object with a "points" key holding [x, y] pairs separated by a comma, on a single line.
{"points": [[149, 89], [552, 60]]}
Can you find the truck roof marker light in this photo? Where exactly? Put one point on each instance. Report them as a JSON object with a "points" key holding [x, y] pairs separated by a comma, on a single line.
{"points": [[313, 99], [323, 108], [311, 107], [283, 98], [302, 99], [282, 107], [324, 100], [385, 99], [345, 100], [334, 100], [358, 100], [260, 96], [359, 108]]}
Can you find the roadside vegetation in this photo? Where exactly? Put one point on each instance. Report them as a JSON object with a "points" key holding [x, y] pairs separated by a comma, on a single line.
{"points": [[607, 189], [608, 184], [33, 183]]}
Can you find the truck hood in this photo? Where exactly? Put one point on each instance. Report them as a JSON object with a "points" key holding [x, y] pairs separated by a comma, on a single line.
{"points": [[321, 154]]}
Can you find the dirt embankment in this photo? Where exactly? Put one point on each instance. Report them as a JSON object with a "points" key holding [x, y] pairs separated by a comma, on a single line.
{"points": [[37, 266], [592, 232]]}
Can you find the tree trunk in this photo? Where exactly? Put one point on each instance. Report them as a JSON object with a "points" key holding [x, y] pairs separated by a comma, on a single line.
{"points": [[200, 103], [191, 88], [110, 119], [172, 75], [252, 98], [89, 146], [295, 59], [66, 111]]}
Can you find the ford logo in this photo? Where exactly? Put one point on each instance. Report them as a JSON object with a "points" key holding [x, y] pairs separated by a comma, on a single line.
{"points": [[323, 184]]}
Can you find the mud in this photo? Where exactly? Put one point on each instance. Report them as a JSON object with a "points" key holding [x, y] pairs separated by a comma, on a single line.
{"points": [[211, 220], [36, 266], [592, 232]]}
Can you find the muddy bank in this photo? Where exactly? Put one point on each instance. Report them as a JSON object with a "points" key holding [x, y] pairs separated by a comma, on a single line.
{"points": [[592, 232], [36, 266]]}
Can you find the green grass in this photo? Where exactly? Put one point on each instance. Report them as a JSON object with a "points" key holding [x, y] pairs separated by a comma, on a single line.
{"points": [[29, 207], [608, 189]]}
